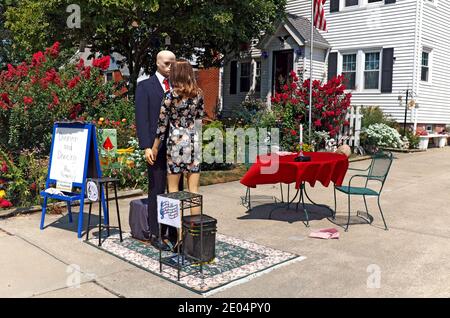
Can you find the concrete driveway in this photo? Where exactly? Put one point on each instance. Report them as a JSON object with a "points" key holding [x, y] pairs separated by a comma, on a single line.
{"points": [[412, 259]]}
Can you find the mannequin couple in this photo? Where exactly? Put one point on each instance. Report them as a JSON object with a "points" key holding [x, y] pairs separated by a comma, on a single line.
{"points": [[169, 105]]}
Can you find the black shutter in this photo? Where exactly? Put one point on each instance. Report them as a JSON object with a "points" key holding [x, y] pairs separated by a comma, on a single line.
{"points": [[233, 78], [389, 1], [388, 66], [332, 65], [334, 6]]}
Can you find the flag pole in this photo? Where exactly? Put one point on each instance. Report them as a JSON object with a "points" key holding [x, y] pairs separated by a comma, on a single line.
{"points": [[311, 72]]}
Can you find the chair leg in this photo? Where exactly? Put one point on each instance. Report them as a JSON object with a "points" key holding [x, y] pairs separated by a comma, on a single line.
{"points": [[365, 203], [382, 216], [349, 209]]}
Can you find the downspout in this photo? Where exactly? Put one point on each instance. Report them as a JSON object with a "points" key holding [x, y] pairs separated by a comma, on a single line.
{"points": [[417, 42]]}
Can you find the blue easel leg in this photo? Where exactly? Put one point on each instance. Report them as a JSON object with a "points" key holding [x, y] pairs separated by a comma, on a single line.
{"points": [[44, 210], [80, 217], [69, 208]]}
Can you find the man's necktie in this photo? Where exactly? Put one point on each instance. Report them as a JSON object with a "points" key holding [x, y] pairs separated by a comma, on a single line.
{"points": [[166, 84]]}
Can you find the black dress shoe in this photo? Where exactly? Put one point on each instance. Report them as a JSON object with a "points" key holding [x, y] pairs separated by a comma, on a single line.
{"points": [[159, 245]]}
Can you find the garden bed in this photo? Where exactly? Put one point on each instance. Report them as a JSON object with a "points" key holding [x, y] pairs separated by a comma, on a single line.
{"points": [[404, 150], [37, 208]]}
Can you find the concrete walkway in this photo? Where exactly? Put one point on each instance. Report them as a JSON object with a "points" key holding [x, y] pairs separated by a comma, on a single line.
{"points": [[412, 259]]}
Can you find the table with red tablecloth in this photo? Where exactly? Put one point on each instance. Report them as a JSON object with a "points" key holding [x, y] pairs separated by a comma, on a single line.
{"points": [[324, 167]]}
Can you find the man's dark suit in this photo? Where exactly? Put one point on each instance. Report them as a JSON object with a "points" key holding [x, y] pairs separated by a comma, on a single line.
{"points": [[149, 96]]}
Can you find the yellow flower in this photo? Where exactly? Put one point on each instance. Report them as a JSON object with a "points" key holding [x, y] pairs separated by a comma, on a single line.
{"points": [[2, 194], [101, 119]]}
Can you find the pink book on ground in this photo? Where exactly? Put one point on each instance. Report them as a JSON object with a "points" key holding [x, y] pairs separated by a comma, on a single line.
{"points": [[325, 234]]}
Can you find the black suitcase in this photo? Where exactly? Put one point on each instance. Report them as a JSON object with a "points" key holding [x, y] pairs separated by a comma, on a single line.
{"points": [[139, 219]]}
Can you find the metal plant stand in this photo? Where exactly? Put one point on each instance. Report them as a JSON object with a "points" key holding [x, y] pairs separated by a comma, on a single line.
{"points": [[187, 200]]}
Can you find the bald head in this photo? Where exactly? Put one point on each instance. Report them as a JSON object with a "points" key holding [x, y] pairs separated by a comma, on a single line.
{"points": [[164, 60]]}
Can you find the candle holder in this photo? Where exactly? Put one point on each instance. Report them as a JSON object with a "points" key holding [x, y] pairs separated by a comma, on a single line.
{"points": [[301, 157]]}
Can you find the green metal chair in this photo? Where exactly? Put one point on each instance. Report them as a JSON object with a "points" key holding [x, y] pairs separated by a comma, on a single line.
{"points": [[377, 171]]}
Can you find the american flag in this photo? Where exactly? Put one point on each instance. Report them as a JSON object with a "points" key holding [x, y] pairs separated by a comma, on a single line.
{"points": [[319, 15]]}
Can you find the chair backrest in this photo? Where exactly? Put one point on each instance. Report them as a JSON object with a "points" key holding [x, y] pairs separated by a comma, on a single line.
{"points": [[380, 166]]}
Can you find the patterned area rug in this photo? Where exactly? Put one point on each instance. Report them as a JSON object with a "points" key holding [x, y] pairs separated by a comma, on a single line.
{"points": [[236, 262]]}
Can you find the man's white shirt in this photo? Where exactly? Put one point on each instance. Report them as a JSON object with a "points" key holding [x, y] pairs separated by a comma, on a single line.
{"points": [[161, 80]]}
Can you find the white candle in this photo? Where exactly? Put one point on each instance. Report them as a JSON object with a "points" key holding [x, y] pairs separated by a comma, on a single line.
{"points": [[301, 136]]}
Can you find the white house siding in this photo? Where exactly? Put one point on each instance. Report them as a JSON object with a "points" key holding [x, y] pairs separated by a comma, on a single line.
{"points": [[229, 101], [375, 26], [434, 96]]}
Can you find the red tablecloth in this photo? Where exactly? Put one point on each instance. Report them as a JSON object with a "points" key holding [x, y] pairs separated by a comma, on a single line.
{"points": [[324, 167]]}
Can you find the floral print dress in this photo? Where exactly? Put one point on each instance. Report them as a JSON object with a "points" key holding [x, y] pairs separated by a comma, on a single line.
{"points": [[182, 117]]}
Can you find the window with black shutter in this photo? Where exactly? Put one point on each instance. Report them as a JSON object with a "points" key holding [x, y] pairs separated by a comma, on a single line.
{"points": [[233, 77], [334, 5], [332, 65], [245, 77], [387, 70]]}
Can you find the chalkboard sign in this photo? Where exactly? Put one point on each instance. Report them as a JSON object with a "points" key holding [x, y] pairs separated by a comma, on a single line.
{"points": [[73, 159]]}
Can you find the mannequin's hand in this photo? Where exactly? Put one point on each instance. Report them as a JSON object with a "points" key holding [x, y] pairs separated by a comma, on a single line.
{"points": [[149, 156]]}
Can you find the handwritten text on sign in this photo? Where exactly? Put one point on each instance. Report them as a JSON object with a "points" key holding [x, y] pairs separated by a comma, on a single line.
{"points": [[169, 212], [69, 153]]}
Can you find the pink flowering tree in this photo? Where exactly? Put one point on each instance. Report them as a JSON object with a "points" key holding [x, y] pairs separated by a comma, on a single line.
{"points": [[290, 109]]}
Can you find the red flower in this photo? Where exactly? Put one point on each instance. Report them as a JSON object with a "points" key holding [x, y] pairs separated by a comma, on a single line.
{"points": [[4, 168], [5, 203], [50, 75], [27, 100], [33, 186], [293, 132], [102, 63], [73, 82], [294, 101], [293, 85], [11, 72], [44, 83], [293, 74], [285, 88], [38, 59], [55, 98], [3, 106], [318, 123], [22, 69], [86, 73], [5, 98], [80, 64], [53, 51]]}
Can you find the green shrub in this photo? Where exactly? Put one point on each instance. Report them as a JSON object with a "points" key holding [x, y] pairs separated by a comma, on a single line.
{"points": [[381, 135], [374, 115]]}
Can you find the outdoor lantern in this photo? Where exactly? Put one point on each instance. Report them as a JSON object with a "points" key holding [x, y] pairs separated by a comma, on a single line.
{"points": [[299, 52], [265, 55]]}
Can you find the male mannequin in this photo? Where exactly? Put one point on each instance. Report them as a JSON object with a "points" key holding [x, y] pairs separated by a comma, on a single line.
{"points": [[149, 96]]}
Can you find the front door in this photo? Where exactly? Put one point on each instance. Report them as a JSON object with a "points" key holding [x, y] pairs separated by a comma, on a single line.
{"points": [[283, 64]]}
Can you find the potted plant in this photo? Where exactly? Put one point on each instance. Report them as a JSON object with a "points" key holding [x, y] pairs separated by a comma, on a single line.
{"points": [[423, 141]]}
